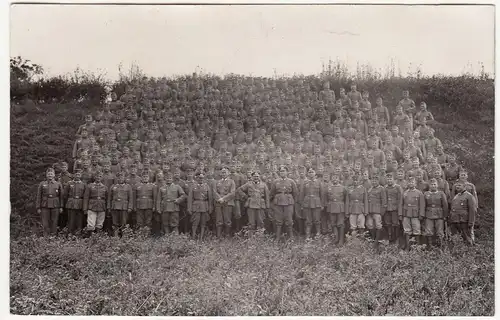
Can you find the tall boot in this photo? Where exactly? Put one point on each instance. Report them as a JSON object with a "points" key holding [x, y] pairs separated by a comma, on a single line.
{"points": [[390, 235], [301, 226], [193, 231], [378, 237], [278, 232], [373, 234], [317, 228], [227, 231], [308, 232], [407, 242], [116, 232], [336, 234], [175, 230], [429, 242], [218, 231], [237, 226], [289, 231], [202, 232], [341, 235]]}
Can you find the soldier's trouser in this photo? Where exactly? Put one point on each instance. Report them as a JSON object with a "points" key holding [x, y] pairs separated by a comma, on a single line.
{"points": [[144, 217], [299, 214], [75, 220], [357, 221], [411, 226], [336, 219], [237, 209], [169, 219], [50, 218], [95, 220], [199, 218], [255, 218], [374, 220], [313, 216], [119, 218], [434, 227], [466, 231], [283, 215], [223, 215], [391, 219]]}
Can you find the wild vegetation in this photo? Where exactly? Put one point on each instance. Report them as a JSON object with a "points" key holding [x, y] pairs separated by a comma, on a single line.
{"points": [[139, 275]]}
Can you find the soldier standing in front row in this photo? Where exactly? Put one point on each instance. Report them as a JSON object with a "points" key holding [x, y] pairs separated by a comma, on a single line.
{"points": [[436, 211], [257, 198], [283, 194], [120, 202], [199, 204], [143, 196], [49, 202], [94, 203], [311, 195], [463, 212], [413, 212], [169, 196], [336, 195], [224, 195], [73, 194]]}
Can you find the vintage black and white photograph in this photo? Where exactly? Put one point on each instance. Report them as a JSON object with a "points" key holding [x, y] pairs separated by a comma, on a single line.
{"points": [[252, 160]]}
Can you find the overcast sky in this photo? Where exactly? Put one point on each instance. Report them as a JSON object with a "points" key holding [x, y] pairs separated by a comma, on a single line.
{"points": [[167, 40]]}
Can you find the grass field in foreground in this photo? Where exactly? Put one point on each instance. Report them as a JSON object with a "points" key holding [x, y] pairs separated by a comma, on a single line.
{"points": [[139, 275]]}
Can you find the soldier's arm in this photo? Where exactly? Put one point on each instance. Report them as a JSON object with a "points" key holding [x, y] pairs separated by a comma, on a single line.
{"points": [[231, 193], [387, 117], [474, 194], [190, 199], [346, 193], [421, 205], [210, 201], [267, 196], [130, 198], [400, 201], [110, 198], [383, 195], [181, 193], [322, 194], [86, 196], [446, 188], [471, 202], [430, 116], [75, 149], [134, 197], [241, 191], [444, 203], [452, 193]]}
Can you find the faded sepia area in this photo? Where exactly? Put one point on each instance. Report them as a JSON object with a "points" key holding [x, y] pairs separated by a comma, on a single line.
{"points": [[320, 160], [258, 40]]}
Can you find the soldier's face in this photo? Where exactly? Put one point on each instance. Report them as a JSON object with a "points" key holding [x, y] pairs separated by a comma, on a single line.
{"points": [[145, 178], [406, 94], [365, 175], [169, 179], [375, 182], [98, 177], [460, 187], [390, 180], [121, 178], [463, 176], [107, 167], [50, 175], [452, 160], [411, 183], [400, 175], [283, 173]]}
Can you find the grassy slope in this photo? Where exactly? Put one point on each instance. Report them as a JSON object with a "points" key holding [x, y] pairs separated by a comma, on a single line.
{"points": [[173, 276]]}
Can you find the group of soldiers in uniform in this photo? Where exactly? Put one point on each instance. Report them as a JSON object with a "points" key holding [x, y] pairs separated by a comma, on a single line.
{"points": [[188, 155]]}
